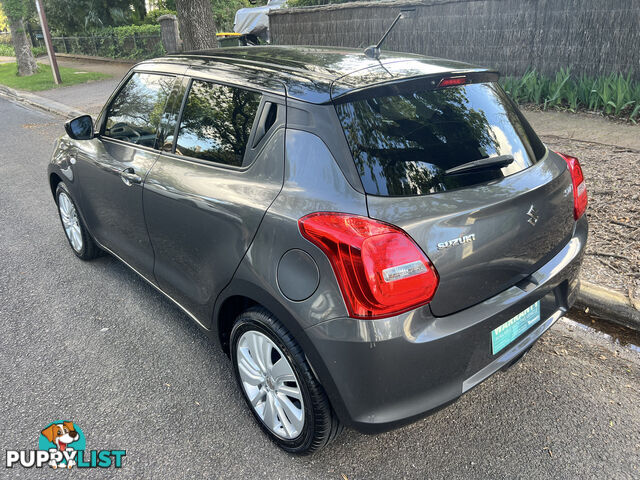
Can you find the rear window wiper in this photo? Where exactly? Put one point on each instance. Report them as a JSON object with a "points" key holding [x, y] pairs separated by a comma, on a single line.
{"points": [[489, 162]]}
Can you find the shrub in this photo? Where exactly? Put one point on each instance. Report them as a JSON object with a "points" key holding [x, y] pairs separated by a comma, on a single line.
{"points": [[152, 16], [615, 94], [129, 41], [6, 50]]}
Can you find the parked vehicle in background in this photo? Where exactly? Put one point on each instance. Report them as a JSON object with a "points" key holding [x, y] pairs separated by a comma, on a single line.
{"points": [[366, 238], [253, 22]]}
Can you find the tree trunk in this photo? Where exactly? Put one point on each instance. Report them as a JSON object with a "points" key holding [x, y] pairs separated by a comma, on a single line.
{"points": [[26, 62], [196, 23]]}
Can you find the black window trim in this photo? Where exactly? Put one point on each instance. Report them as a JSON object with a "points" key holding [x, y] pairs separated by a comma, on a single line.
{"points": [[186, 84]]}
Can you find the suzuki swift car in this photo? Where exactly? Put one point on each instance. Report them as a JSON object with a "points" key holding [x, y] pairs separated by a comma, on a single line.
{"points": [[367, 239]]}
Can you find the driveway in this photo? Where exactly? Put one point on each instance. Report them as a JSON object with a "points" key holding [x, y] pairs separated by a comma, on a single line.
{"points": [[93, 343]]}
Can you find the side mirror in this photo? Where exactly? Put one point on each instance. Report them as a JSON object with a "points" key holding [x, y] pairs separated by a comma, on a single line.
{"points": [[80, 128]]}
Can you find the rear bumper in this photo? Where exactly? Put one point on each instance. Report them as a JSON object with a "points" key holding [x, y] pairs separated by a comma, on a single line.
{"points": [[385, 373]]}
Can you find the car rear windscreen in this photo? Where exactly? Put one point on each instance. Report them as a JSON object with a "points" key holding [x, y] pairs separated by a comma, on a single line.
{"points": [[404, 143]]}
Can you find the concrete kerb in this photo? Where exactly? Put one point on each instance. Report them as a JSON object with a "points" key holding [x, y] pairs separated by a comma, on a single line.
{"points": [[39, 102], [610, 305]]}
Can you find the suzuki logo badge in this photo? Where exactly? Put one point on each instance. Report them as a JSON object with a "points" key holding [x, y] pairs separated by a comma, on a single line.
{"points": [[533, 216]]}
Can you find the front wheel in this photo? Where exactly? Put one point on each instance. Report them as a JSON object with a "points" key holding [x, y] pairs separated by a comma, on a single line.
{"points": [[79, 239], [278, 384]]}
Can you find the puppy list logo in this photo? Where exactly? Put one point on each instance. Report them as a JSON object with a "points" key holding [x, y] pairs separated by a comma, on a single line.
{"points": [[62, 445]]}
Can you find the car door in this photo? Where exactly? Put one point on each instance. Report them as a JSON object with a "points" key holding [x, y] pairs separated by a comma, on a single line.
{"points": [[205, 199], [111, 168]]}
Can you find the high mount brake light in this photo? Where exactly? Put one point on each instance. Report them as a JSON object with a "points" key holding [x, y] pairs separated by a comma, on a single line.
{"points": [[579, 187], [380, 269], [452, 81]]}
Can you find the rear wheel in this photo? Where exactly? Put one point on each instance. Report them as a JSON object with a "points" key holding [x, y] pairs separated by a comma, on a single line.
{"points": [[79, 239], [278, 384]]}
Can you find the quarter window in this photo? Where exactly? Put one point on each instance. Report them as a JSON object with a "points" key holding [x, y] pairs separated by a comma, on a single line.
{"points": [[134, 115], [216, 123]]}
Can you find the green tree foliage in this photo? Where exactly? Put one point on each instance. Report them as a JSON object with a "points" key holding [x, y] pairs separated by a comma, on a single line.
{"points": [[71, 17], [4, 22], [18, 9], [76, 16]]}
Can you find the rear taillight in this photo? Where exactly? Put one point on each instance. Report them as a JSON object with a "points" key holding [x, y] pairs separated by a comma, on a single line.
{"points": [[579, 187], [380, 269]]}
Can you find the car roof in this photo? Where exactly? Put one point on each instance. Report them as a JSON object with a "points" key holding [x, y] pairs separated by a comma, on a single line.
{"points": [[316, 74]]}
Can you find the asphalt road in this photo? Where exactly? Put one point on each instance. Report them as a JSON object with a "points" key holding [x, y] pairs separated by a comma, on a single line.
{"points": [[93, 343]]}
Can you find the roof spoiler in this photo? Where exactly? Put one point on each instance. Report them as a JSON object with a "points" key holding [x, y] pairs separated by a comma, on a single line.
{"points": [[413, 84]]}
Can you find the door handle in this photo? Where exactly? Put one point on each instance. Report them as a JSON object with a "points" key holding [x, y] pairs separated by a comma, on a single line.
{"points": [[129, 177]]}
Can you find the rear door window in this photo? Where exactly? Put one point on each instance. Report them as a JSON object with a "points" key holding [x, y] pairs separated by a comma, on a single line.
{"points": [[135, 113], [216, 122], [403, 143]]}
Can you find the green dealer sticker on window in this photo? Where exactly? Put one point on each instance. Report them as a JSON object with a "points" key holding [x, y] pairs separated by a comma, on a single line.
{"points": [[509, 331]]}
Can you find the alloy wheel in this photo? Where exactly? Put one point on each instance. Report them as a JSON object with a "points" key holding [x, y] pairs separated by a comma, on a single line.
{"points": [[70, 221], [270, 384]]}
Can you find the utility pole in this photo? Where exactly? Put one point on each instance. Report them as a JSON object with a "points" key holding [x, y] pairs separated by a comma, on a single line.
{"points": [[47, 41]]}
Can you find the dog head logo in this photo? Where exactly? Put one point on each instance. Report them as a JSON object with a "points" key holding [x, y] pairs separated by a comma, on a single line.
{"points": [[62, 436]]}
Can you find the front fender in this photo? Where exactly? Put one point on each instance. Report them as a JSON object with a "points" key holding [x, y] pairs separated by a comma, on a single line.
{"points": [[61, 164]]}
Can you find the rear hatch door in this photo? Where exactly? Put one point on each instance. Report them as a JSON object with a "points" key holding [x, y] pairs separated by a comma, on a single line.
{"points": [[484, 228]]}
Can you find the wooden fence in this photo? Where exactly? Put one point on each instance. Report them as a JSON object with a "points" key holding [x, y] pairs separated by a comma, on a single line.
{"points": [[590, 36]]}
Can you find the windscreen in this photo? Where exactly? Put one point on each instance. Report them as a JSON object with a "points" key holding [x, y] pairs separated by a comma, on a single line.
{"points": [[404, 143]]}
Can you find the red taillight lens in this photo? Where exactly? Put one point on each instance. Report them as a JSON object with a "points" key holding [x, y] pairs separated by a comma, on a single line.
{"points": [[452, 81], [380, 269], [579, 187]]}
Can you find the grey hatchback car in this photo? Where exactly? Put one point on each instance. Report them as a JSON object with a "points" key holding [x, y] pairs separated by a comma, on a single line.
{"points": [[367, 239]]}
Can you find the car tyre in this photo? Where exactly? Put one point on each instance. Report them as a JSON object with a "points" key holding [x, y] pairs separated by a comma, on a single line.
{"points": [[80, 241], [257, 330]]}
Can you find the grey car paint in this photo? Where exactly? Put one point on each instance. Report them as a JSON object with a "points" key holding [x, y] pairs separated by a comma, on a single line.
{"points": [[370, 361], [496, 214], [313, 183], [112, 209], [202, 218], [362, 364]]}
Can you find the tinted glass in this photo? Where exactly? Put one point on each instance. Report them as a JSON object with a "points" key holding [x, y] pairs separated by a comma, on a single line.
{"points": [[135, 113], [216, 122], [402, 144]]}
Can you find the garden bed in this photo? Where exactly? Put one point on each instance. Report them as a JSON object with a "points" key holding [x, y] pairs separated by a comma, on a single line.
{"points": [[614, 96], [613, 250]]}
